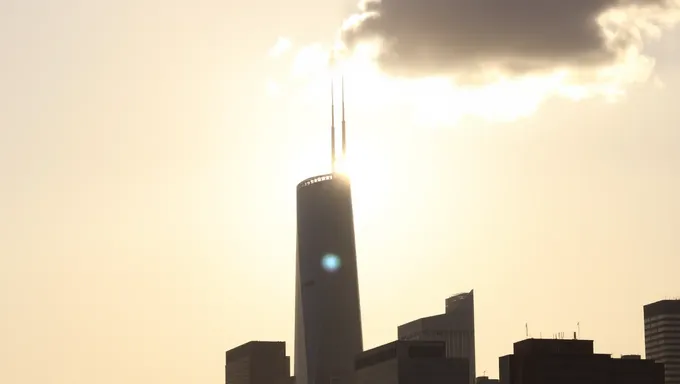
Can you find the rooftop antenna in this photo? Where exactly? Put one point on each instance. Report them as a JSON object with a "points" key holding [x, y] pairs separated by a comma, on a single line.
{"points": [[344, 137], [333, 129]]}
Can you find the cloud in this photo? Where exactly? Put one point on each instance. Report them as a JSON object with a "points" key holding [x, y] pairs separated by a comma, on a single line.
{"points": [[473, 38], [311, 60], [281, 46], [500, 60]]}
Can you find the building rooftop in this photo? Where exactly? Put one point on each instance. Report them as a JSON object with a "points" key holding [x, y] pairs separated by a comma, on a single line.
{"points": [[275, 347], [416, 348], [459, 314], [553, 347], [663, 307], [631, 357], [460, 296]]}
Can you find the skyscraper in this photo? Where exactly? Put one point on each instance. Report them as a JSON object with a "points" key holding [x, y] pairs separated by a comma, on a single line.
{"points": [[327, 311], [456, 327], [662, 336]]}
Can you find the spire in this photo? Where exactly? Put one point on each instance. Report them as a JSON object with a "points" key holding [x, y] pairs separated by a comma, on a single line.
{"points": [[344, 137], [332, 129]]}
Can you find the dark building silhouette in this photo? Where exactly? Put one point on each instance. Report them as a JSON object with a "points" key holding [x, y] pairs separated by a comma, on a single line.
{"points": [[410, 362], [558, 361], [258, 362], [327, 310], [662, 336], [456, 327], [486, 380]]}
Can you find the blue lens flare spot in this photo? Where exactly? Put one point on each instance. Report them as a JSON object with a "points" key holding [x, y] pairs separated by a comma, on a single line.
{"points": [[330, 262]]}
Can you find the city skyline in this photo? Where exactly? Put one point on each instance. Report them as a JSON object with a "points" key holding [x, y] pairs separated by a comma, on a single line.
{"points": [[149, 157], [437, 339]]}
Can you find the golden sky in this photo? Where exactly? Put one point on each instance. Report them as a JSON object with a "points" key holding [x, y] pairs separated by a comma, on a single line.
{"points": [[149, 152]]}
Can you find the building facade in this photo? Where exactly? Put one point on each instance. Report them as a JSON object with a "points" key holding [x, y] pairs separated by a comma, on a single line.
{"points": [[410, 362], [558, 361], [662, 336], [328, 333], [258, 362], [456, 327]]}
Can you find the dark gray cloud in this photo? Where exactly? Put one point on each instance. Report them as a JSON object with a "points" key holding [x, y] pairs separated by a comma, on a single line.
{"points": [[426, 37]]}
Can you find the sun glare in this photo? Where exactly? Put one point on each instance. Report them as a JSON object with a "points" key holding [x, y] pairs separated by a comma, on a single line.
{"points": [[341, 167], [366, 164], [369, 172]]}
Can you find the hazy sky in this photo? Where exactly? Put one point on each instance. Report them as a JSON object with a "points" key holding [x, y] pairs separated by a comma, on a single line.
{"points": [[149, 152]]}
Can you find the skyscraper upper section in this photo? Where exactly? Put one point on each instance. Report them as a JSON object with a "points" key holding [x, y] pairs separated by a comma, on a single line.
{"points": [[328, 316]]}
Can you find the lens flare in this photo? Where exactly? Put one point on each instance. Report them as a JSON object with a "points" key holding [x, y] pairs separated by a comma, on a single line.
{"points": [[330, 262]]}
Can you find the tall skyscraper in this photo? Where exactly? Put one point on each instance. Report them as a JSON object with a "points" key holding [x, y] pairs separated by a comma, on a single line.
{"points": [[327, 311], [456, 327], [258, 362], [662, 336]]}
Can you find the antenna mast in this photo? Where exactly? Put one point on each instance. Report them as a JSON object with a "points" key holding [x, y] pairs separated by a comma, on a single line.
{"points": [[333, 129], [344, 137]]}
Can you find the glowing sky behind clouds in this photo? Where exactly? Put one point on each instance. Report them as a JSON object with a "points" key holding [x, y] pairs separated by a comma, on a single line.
{"points": [[493, 59]]}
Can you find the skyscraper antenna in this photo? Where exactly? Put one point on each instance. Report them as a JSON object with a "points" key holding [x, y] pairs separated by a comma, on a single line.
{"points": [[344, 137], [332, 129]]}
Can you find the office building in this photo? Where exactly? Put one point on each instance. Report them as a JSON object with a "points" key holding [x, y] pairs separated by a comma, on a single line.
{"points": [[558, 361], [662, 336], [410, 362], [258, 362], [327, 310], [456, 327]]}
